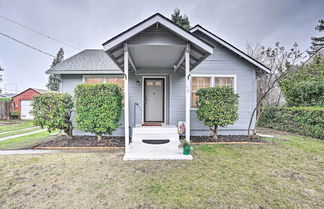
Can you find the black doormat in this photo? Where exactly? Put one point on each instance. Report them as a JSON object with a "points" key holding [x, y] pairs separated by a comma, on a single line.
{"points": [[155, 141]]}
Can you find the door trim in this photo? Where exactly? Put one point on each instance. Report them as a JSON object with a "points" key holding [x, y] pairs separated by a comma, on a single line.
{"points": [[164, 96]]}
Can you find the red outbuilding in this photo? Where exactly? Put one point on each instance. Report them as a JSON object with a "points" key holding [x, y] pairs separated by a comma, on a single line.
{"points": [[22, 101]]}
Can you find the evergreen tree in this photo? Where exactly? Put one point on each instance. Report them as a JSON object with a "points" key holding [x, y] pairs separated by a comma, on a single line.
{"points": [[181, 20], [317, 42], [54, 79]]}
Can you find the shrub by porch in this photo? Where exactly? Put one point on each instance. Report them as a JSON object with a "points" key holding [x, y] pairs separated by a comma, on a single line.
{"points": [[98, 108], [217, 106]]}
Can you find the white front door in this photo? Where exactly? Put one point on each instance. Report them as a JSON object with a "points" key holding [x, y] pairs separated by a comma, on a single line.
{"points": [[154, 100], [25, 110]]}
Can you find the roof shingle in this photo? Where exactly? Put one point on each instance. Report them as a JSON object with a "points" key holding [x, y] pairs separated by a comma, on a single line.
{"points": [[86, 60]]}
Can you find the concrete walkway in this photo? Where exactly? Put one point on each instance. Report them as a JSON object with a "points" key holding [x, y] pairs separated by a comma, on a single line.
{"points": [[19, 135], [23, 152], [52, 151]]}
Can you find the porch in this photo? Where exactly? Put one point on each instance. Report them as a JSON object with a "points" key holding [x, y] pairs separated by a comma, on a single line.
{"points": [[150, 54]]}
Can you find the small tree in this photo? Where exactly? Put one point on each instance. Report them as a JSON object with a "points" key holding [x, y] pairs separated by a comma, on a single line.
{"points": [[98, 108], [217, 106], [282, 62], [181, 20], [53, 111], [55, 79]]}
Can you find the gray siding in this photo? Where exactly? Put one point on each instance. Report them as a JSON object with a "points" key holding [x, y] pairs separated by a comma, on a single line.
{"points": [[224, 62], [178, 97], [221, 62], [69, 82], [153, 35]]}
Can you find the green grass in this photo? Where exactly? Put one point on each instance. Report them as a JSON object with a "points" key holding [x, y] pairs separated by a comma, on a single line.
{"points": [[284, 174], [16, 126], [24, 141], [19, 132]]}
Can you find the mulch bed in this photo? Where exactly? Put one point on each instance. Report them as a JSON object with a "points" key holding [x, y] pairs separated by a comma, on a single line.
{"points": [[109, 141], [84, 141]]}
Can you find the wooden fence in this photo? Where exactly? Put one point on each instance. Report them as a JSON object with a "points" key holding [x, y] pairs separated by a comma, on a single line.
{"points": [[5, 108]]}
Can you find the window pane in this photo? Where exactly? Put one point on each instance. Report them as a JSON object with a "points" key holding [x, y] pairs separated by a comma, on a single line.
{"points": [[196, 84], [224, 81], [94, 80]]}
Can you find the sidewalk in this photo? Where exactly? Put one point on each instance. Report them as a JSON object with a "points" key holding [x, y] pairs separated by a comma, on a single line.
{"points": [[19, 135]]}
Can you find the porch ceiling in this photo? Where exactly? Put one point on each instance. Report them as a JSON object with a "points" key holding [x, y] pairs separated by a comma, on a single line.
{"points": [[158, 56]]}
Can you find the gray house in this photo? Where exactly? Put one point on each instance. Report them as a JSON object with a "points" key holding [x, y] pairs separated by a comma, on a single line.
{"points": [[160, 66]]}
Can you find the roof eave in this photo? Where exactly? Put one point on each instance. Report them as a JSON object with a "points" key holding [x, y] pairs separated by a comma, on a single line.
{"points": [[232, 48], [149, 22], [84, 72]]}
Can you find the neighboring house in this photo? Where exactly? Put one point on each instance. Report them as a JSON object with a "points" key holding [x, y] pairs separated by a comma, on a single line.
{"points": [[22, 101], [7, 95], [160, 66]]}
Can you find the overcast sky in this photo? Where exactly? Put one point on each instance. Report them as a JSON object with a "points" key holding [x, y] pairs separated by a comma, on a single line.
{"points": [[89, 23]]}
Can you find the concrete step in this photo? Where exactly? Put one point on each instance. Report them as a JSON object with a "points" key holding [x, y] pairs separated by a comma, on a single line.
{"points": [[166, 129], [153, 136]]}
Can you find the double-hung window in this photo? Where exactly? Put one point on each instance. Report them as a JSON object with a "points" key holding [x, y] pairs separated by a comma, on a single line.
{"points": [[205, 81]]}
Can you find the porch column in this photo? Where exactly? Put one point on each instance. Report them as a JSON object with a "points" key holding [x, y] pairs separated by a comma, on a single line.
{"points": [[126, 106], [188, 91]]}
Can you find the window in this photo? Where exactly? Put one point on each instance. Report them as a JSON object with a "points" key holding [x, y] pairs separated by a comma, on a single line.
{"points": [[90, 80], [196, 84], [224, 81], [119, 81], [209, 81]]}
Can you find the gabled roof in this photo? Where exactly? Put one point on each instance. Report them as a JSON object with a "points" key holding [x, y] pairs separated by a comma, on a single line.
{"points": [[231, 47], [40, 91], [87, 61], [157, 18]]}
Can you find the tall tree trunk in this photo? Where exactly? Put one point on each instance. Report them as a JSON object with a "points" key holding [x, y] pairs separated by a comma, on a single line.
{"points": [[215, 132], [99, 138]]}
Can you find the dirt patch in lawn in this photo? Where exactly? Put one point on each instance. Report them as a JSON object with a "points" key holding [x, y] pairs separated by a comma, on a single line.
{"points": [[83, 141], [226, 138]]}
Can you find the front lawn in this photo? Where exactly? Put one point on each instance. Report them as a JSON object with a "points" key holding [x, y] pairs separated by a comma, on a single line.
{"points": [[22, 142], [16, 125], [286, 174]]}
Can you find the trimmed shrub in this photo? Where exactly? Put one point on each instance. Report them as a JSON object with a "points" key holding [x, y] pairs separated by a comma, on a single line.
{"points": [[308, 121], [53, 111], [217, 106], [14, 114], [98, 108]]}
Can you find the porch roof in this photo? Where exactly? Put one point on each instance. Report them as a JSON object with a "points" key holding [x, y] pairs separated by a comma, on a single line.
{"points": [[157, 42]]}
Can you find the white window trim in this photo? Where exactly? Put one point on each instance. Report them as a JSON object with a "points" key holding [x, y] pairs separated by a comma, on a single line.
{"points": [[212, 82]]}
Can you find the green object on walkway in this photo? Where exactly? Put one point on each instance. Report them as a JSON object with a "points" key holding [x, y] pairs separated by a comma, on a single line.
{"points": [[186, 150]]}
